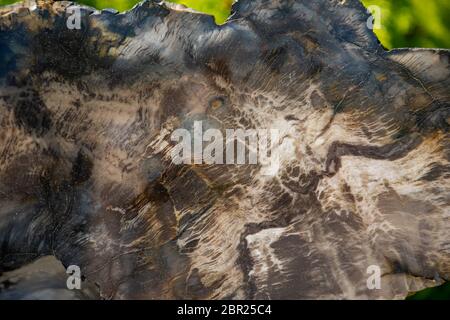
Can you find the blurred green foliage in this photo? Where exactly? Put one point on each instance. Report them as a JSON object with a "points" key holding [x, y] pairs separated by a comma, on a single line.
{"points": [[413, 23], [404, 23]]}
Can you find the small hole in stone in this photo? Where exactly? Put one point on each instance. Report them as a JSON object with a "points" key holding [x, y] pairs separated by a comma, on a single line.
{"points": [[217, 103]]}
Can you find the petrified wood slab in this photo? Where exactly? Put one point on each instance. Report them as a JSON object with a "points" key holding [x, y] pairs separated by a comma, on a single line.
{"points": [[86, 176]]}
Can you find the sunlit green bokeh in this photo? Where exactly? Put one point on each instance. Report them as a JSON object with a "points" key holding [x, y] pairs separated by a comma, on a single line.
{"points": [[404, 23]]}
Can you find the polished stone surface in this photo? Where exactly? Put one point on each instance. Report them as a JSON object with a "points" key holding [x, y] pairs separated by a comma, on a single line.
{"points": [[86, 174]]}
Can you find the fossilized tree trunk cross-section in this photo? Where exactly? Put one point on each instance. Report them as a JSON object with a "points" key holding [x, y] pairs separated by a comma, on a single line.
{"points": [[86, 173]]}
